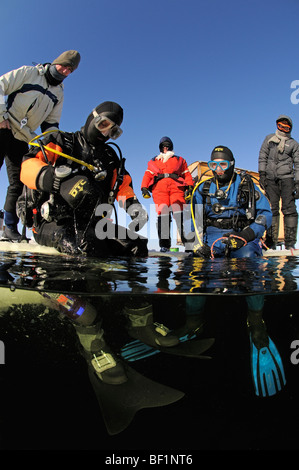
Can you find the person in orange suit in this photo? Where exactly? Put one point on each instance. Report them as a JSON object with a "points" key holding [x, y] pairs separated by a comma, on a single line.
{"points": [[168, 179]]}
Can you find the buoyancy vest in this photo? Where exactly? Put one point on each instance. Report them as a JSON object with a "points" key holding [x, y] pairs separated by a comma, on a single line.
{"points": [[246, 199]]}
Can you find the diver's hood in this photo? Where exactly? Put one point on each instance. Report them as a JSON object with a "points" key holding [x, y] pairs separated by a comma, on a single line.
{"points": [[109, 109]]}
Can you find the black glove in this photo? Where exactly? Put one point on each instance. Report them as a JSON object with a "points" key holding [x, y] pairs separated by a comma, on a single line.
{"points": [[188, 193], [235, 240], [202, 251], [145, 193], [296, 189], [49, 179], [263, 179], [45, 179], [137, 213]]}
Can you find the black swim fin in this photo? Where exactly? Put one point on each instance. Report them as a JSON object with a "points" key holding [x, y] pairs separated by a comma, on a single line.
{"points": [[266, 364], [136, 350], [120, 403]]}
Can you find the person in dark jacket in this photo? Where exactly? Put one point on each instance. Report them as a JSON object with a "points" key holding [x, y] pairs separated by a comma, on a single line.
{"points": [[278, 166], [72, 180]]}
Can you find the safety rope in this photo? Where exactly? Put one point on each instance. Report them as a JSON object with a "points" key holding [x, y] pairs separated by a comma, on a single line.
{"points": [[61, 154], [192, 211]]}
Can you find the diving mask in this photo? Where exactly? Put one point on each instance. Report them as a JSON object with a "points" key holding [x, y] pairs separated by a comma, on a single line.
{"points": [[106, 126], [223, 164]]}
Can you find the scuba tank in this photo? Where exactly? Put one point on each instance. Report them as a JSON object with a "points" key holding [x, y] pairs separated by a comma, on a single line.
{"points": [[73, 306]]}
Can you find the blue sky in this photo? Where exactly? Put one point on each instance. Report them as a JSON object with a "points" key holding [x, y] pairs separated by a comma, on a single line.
{"points": [[205, 73]]}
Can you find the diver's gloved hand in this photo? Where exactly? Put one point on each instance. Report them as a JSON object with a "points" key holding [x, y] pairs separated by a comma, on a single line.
{"points": [[235, 240], [296, 189], [263, 179], [188, 193], [145, 193], [45, 179], [137, 213], [49, 179], [202, 251]]}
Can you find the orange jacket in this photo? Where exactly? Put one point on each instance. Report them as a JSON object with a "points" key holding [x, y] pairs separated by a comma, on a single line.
{"points": [[158, 170]]}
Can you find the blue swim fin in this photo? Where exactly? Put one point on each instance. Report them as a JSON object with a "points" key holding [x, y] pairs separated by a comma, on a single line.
{"points": [[266, 367]]}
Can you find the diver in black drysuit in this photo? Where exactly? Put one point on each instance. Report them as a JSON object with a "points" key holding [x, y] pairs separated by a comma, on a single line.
{"points": [[68, 201]]}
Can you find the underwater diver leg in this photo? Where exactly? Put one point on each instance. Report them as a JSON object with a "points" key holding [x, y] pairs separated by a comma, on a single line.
{"points": [[266, 364], [99, 356], [96, 352], [255, 303], [147, 343], [120, 391], [142, 326], [194, 323]]}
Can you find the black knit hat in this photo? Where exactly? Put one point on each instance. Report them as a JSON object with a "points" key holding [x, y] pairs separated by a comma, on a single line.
{"points": [[223, 153], [68, 59]]}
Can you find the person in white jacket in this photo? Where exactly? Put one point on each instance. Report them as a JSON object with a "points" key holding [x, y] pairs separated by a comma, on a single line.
{"points": [[30, 97]]}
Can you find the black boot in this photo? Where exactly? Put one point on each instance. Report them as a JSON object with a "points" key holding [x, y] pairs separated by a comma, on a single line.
{"points": [[141, 326], [11, 233], [163, 228], [272, 233], [290, 231]]}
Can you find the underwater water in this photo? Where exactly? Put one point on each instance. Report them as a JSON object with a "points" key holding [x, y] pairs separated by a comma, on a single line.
{"points": [[47, 400]]}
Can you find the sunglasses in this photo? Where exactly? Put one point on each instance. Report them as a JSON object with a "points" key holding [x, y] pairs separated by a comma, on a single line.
{"points": [[283, 126]]}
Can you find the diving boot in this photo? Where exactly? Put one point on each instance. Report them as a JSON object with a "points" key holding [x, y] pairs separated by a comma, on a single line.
{"points": [[142, 327], [163, 229], [272, 233], [11, 234], [290, 231], [99, 356]]}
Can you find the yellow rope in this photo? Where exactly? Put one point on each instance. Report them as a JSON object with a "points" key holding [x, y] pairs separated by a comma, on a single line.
{"points": [[81, 162], [192, 212]]}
